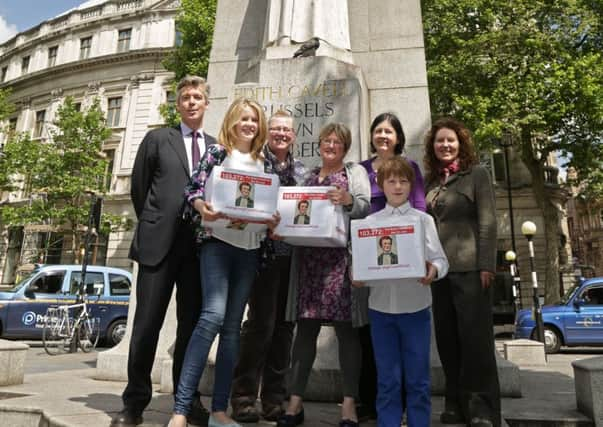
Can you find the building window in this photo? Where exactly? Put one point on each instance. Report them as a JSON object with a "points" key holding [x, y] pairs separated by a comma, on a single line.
{"points": [[77, 106], [498, 161], [52, 55], [3, 74], [39, 125], [170, 97], [12, 124], [110, 157], [54, 248], [178, 39], [113, 112], [123, 40], [24, 64], [85, 46]]}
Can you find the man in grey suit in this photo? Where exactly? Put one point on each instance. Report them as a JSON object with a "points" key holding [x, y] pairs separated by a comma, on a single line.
{"points": [[164, 247]]}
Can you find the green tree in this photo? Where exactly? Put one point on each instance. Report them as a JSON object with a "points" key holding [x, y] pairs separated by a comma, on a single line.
{"points": [[6, 108], [530, 67], [57, 174], [195, 26]]}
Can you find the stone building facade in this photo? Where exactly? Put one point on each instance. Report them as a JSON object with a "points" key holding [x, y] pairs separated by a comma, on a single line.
{"points": [[585, 218], [110, 49]]}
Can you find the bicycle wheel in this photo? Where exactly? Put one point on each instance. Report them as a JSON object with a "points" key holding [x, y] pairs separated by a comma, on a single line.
{"points": [[55, 335], [88, 333]]}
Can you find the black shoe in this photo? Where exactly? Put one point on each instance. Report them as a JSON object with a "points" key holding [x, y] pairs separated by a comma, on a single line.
{"points": [[287, 420], [480, 422], [272, 411], [198, 416], [245, 413], [451, 416], [348, 423], [126, 418]]}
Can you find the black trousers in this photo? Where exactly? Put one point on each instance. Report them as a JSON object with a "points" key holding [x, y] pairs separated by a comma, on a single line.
{"points": [[154, 286], [265, 349], [304, 354], [462, 313], [367, 386]]}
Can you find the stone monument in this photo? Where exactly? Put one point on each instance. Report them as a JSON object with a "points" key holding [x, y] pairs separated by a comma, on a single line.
{"points": [[370, 60]]}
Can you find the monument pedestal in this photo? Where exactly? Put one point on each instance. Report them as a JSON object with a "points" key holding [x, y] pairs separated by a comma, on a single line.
{"points": [[112, 365]]}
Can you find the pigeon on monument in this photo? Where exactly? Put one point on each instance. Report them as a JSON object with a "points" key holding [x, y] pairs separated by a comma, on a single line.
{"points": [[308, 48]]}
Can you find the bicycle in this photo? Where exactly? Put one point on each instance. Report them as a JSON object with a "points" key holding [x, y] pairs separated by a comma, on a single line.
{"points": [[63, 325]]}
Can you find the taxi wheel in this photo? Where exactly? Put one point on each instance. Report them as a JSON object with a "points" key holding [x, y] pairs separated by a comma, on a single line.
{"points": [[552, 340], [116, 332]]}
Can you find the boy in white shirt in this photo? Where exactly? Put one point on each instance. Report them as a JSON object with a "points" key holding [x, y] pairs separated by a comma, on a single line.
{"points": [[400, 314]]}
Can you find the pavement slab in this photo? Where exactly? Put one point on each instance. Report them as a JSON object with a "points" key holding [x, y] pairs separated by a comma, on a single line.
{"points": [[60, 391]]}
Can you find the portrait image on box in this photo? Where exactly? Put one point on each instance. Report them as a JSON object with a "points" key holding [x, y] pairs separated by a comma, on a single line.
{"points": [[302, 215], [308, 218], [244, 195], [387, 250]]}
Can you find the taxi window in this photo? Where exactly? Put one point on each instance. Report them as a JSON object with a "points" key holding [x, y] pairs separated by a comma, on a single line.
{"points": [[95, 283], [119, 284], [48, 283], [593, 296]]}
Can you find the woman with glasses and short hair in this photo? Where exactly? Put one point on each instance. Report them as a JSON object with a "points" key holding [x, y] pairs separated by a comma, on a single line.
{"points": [[320, 289]]}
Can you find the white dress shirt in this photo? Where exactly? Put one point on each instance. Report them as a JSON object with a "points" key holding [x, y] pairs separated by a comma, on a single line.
{"points": [[187, 136], [397, 296]]}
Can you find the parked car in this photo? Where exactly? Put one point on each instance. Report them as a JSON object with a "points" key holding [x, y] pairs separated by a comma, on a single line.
{"points": [[22, 308], [576, 320]]}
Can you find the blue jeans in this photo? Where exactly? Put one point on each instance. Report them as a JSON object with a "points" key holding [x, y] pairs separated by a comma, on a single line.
{"points": [[401, 343], [227, 273]]}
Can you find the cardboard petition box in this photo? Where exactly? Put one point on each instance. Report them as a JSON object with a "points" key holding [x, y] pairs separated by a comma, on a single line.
{"points": [[247, 198], [388, 248], [308, 218]]}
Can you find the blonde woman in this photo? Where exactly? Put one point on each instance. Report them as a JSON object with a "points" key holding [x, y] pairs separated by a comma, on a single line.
{"points": [[228, 262]]}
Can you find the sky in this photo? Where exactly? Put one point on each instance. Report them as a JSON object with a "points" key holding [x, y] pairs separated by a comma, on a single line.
{"points": [[20, 15]]}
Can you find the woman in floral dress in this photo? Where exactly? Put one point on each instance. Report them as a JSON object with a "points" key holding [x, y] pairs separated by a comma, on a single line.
{"points": [[320, 289]]}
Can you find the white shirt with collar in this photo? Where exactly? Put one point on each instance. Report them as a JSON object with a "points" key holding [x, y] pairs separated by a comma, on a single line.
{"points": [[396, 296], [187, 136]]}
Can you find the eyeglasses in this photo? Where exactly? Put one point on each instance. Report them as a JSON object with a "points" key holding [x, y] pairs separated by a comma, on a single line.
{"points": [[281, 129], [335, 142]]}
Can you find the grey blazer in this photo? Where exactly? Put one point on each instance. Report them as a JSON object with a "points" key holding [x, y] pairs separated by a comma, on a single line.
{"points": [[360, 189], [464, 213]]}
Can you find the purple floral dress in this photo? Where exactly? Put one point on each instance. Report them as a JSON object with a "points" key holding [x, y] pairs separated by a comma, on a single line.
{"points": [[323, 291]]}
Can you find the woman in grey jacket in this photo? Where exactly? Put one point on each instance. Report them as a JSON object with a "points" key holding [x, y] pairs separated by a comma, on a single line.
{"points": [[461, 200], [320, 288]]}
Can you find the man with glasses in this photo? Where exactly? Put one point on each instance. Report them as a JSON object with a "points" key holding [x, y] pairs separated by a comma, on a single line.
{"points": [[266, 337]]}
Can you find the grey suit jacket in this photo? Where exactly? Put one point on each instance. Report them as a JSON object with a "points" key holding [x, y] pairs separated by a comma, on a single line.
{"points": [[159, 176], [464, 213]]}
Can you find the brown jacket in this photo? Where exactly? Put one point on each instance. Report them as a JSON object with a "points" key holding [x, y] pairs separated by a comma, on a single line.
{"points": [[464, 212]]}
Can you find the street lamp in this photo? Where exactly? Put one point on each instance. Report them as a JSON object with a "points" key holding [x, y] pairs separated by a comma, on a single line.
{"points": [[528, 229], [507, 142], [511, 258]]}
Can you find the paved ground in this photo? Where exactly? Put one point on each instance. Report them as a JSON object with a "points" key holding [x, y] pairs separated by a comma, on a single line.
{"points": [[61, 391]]}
